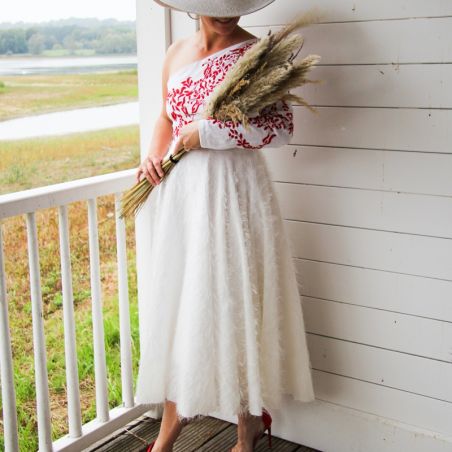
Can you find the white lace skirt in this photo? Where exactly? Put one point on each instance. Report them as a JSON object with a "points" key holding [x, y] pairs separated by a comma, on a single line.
{"points": [[223, 330]]}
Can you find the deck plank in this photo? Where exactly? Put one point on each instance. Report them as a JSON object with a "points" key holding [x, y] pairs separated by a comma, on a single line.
{"points": [[207, 434]]}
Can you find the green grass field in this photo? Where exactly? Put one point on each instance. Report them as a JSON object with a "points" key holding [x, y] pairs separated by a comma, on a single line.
{"points": [[42, 161], [34, 162], [31, 94]]}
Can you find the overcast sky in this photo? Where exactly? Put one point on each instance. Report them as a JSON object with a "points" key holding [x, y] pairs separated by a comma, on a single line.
{"points": [[43, 10]]}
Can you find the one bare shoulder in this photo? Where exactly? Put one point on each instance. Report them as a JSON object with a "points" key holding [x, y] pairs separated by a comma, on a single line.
{"points": [[172, 52], [183, 51]]}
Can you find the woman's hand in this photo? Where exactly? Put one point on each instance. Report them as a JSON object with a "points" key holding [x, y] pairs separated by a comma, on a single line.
{"points": [[151, 168], [188, 137]]}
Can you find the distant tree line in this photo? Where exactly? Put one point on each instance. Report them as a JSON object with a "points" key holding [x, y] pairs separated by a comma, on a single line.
{"points": [[104, 37]]}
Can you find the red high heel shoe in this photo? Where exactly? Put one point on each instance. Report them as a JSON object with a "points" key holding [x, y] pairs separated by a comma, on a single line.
{"points": [[267, 419], [151, 446]]}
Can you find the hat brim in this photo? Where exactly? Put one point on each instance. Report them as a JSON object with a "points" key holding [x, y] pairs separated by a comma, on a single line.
{"points": [[216, 8]]}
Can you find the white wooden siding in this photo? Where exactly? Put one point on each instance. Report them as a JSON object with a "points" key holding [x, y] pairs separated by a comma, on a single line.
{"points": [[365, 189]]}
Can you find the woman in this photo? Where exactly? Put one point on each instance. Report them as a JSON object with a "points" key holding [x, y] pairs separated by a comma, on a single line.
{"points": [[224, 330]]}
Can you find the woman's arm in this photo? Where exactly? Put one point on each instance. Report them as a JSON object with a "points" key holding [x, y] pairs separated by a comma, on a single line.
{"points": [[163, 127], [162, 134], [273, 127]]}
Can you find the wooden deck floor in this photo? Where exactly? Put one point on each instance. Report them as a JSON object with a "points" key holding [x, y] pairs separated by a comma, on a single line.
{"points": [[207, 434]]}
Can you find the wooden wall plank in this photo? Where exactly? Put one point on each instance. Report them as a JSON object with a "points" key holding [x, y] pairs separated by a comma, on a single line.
{"points": [[379, 289], [409, 172], [282, 11], [390, 251], [375, 128], [382, 367], [430, 414], [377, 42], [380, 85], [372, 209], [389, 330]]}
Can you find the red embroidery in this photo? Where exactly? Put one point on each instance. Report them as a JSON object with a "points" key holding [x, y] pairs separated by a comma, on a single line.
{"points": [[187, 96], [270, 118]]}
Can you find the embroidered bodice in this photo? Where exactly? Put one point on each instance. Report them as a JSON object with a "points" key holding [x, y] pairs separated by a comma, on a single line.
{"points": [[189, 88]]}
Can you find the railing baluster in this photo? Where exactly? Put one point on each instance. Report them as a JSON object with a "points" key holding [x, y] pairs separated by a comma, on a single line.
{"points": [[72, 381], [124, 313], [26, 202], [6, 366], [100, 365], [39, 344]]}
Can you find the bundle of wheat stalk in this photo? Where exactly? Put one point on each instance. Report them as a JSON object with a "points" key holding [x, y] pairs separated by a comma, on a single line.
{"points": [[263, 75]]}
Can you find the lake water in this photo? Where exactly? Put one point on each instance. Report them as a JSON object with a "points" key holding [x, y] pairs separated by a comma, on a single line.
{"points": [[71, 121], [77, 120], [27, 65]]}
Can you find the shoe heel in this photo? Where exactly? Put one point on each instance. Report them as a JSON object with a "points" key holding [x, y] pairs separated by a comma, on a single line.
{"points": [[269, 437]]}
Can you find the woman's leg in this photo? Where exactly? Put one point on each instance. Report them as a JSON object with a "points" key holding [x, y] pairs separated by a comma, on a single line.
{"points": [[170, 428], [247, 428]]}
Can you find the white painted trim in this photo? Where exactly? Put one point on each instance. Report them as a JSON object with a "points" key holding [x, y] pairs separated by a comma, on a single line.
{"points": [[152, 41], [331, 427], [54, 195], [96, 431]]}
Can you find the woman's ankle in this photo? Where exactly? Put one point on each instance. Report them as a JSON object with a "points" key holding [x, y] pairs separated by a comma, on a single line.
{"points": [[163, 446], [176, 430], [247, 428]]}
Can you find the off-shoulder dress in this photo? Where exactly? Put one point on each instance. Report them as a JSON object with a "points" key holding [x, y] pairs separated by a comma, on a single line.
{"points": [[222, 328]]}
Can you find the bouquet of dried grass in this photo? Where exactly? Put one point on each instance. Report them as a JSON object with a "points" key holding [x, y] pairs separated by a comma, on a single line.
{"points": [[261, 76]]}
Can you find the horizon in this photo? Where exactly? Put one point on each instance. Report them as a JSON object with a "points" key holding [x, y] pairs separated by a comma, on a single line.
{"points": [[48, 10], [65, 18]]}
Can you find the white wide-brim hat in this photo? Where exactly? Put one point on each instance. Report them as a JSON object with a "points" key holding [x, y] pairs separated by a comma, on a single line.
{"points": [[216, 8]]}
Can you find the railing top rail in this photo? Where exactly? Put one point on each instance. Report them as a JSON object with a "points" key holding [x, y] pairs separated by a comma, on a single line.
{"points": [[17, 203]]}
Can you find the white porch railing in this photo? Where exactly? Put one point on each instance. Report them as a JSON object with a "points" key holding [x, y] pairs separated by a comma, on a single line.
{"points": [[80, 436]]}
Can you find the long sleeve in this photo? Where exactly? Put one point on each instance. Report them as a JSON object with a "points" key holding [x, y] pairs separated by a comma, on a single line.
{"points": [[273, 127]]}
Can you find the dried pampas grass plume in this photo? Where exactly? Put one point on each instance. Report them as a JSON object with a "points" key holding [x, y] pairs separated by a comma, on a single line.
{"points": [[264, 74]]}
